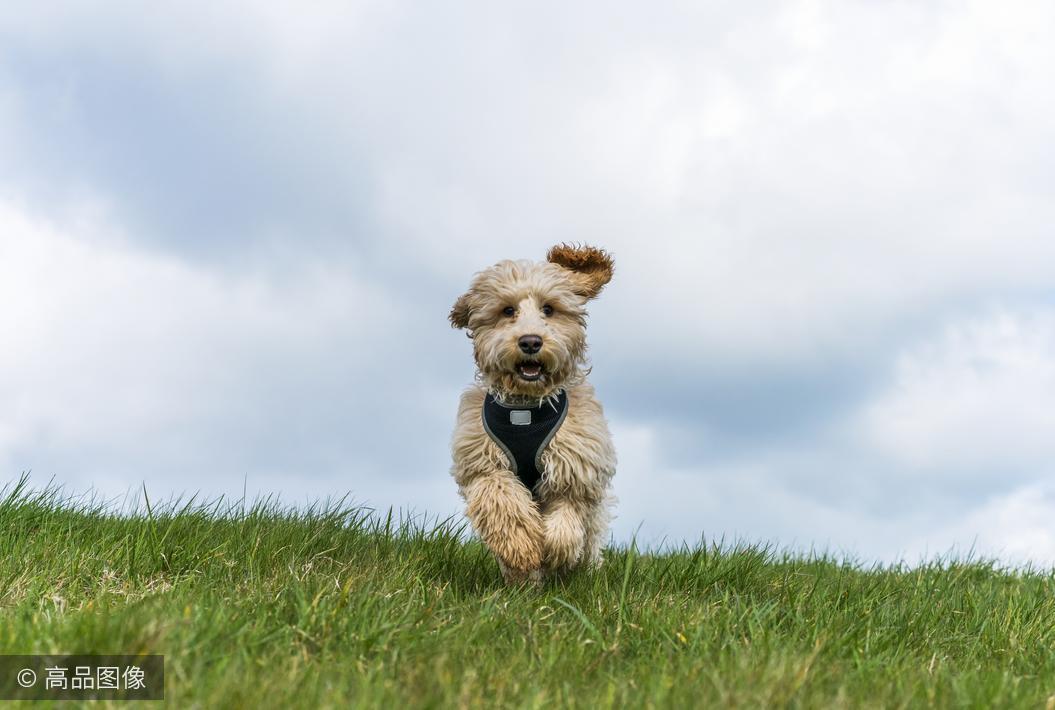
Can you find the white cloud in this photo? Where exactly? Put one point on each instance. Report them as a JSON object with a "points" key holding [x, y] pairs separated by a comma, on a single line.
{"points": [[976, 399], [952, 454], [127, 365], [765, 497], [1015, 528]]}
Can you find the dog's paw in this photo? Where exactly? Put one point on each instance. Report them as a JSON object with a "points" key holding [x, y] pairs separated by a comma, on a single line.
{"points": [[519, 577], [521, 551], [594, 560]]}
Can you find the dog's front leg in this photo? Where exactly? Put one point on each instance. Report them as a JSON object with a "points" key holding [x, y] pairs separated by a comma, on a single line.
{"points": [[564, 535], [502, 512]]}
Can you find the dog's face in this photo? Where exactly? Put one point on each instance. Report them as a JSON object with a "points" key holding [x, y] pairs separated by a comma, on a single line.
{"points": [[528, 320]]}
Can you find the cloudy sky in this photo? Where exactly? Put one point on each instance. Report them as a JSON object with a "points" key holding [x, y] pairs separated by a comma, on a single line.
{"points": [[230, 234]]}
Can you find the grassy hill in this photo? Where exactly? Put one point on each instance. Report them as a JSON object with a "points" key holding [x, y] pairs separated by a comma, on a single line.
{"points": [[270, 607]]}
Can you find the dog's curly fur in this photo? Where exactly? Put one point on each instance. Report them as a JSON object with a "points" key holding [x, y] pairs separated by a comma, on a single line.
{"points": [[565, 524]]}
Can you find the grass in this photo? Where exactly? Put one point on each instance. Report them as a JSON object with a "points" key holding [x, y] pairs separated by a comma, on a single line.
{"points": [[267, 606]]}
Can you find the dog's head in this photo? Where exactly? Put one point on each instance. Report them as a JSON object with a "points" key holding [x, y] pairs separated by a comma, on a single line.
{"points": [[527, 320]]}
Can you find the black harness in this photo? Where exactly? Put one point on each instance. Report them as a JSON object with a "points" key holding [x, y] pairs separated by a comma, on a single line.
{"points": [[524, 433]]}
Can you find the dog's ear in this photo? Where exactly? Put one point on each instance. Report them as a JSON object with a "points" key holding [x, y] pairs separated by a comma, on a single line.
{"points": [[592, 267], [459, 315]]}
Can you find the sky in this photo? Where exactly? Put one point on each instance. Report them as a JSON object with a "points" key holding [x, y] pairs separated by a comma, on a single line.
{"points": [[230, 234]]}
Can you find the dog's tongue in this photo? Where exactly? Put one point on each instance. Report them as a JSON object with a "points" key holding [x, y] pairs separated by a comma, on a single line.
{"points": [[531, 369]]}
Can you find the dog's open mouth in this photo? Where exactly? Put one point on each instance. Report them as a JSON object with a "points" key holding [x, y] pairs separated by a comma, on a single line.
{"points": [[530, 370]]}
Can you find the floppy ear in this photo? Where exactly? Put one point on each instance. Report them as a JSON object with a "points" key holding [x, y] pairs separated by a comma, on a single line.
{"points": [[592, 267], [459, 315]]}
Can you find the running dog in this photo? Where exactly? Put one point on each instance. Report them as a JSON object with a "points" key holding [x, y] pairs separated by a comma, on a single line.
{"points": [[533, 458]]}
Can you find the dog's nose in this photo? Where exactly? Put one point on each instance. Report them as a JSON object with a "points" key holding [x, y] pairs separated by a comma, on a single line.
{"points": [[530, 344]]}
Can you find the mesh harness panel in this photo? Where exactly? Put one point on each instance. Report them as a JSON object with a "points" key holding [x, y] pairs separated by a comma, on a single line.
{"points": [[523, 433]]}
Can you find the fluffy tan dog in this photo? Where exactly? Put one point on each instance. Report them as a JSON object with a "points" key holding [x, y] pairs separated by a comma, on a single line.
{"points": [[533, 458]]}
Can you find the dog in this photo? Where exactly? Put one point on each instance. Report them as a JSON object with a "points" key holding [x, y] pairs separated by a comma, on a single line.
{"points": [[533, 458]]}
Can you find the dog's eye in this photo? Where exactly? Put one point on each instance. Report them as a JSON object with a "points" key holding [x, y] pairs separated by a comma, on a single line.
{"points": [[509, 311], [547, 310]]}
